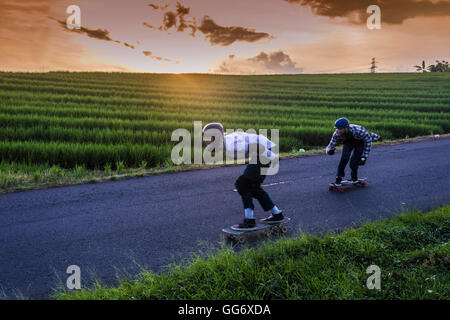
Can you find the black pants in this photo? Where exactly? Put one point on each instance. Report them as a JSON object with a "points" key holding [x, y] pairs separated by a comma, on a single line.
{"points": [[357, 147], [249, 186]]}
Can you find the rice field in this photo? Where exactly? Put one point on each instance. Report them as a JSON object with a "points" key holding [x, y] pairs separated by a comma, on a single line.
{"points": [[102, 120]]}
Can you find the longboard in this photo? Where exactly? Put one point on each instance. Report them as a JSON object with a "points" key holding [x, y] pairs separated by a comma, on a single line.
{"points": [[347, 183], [261, 228]]}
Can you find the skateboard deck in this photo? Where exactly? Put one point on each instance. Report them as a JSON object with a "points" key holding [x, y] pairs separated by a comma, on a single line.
{"points": [[261, 228], [348, 183]]}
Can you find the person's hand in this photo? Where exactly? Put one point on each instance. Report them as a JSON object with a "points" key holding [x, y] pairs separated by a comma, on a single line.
{"points": [[330, 152], [362, 161]]}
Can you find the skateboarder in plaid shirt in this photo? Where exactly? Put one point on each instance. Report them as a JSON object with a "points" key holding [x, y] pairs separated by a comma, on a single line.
{"points": [[249, 183], [354, 138]]}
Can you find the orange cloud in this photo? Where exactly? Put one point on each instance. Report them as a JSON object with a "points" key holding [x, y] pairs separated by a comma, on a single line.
{"points": [[276, 62]]}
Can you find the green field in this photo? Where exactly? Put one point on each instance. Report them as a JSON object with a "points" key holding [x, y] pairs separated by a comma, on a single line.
{"points": [[412, 251], [63, 121]]}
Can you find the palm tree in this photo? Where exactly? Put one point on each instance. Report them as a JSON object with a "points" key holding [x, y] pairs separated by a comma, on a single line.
{"points": [[422, 67]]}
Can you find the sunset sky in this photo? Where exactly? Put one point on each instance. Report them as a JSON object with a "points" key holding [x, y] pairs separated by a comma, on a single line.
{"points": [[232, 36]]}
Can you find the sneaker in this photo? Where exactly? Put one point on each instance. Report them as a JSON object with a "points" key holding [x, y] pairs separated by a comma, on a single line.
{"points": [[273, 218], [248, 224], [338, 181]]}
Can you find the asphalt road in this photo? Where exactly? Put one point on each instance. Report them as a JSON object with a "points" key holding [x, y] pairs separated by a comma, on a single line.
{"points": [[114, 228]]}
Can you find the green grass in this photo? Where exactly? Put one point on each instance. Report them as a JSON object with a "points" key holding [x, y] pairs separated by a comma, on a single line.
{"points": [[412, 251], [96, 120]]}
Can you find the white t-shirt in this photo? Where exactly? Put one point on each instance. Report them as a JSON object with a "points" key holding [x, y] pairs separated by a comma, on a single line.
{"points": [[239, 143]]}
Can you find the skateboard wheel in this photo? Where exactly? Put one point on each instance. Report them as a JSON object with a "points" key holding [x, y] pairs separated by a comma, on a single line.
{"points": [[330, 188], [364, 184], [241, 240], [283, 229], [340, 189]]}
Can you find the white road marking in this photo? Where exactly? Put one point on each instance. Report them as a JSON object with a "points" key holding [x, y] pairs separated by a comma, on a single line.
{"points": [[270, 184]]}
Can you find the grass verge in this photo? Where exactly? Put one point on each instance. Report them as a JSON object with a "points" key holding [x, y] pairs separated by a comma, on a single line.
{"points": [[412, 251], [21, 176]]}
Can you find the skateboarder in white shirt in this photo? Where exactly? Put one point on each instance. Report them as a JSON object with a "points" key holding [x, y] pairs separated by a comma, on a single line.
{"points": [[249, 183]]}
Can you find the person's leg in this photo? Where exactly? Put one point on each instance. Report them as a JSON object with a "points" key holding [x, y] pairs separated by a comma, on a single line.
{"points": [[267, 204], [346, 152], [243, 186], [263, 198], [253, 174], [354, 162]]}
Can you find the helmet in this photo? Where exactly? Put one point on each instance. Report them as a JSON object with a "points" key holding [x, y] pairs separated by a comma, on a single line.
{"points": [[341, 123], [213, 125]]}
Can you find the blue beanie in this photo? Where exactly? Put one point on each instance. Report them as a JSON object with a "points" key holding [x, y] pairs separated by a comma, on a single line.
{"points": [[341, 123]]}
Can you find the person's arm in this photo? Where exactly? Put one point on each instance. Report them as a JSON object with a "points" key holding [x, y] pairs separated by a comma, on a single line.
{"points": [[361, 133], [332, 145], [375, 137]]}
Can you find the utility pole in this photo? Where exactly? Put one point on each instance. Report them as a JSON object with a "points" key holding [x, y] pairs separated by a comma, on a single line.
{"points": [[373, 66]]}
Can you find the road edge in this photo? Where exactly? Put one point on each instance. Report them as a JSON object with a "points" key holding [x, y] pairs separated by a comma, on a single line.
{"points": [[178, 169]]}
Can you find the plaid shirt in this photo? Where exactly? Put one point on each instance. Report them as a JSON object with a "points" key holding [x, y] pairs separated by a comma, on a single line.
{"points": [[359, 133]]}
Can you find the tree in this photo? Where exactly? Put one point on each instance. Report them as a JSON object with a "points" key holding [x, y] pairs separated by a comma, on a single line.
{"points": [[422, 67], [440, 66]]}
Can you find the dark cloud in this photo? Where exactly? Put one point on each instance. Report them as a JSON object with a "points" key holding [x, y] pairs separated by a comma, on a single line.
{"points": [[156, 7], [216, 34], [150, 54], [264, 63], [129, 45], [103, 34], [170, 20], [99, 34], [392, 11], [182, 10], [160, 28], [225, 36]]}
